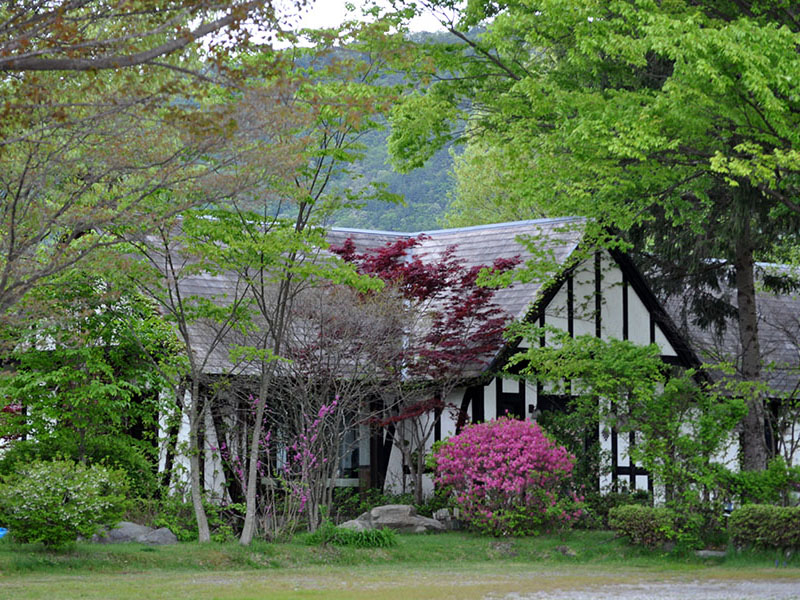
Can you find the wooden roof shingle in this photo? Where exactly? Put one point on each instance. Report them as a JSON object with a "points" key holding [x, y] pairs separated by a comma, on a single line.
{"points": [[475, 246]]}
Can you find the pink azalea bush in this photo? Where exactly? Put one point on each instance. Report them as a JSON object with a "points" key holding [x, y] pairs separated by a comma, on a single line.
{"points": [[509, 478]]}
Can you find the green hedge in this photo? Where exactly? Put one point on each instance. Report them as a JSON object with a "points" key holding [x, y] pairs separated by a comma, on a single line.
{"points": [[770, 486], [765, 526], [643, 525]]}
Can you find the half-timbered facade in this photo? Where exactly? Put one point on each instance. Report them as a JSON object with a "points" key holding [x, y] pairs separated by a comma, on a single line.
{"points": [[583, 293], [572, 288]]}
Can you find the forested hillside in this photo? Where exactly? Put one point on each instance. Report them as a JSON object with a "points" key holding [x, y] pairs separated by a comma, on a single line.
{"points": [[422, 194]]}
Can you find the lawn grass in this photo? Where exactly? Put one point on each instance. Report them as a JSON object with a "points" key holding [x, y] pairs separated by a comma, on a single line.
{"points": [[411, 551], [584, 548], [453, 565]]}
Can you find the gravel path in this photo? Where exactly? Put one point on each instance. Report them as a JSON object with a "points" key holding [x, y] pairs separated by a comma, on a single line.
{"points": [[705, 590]]}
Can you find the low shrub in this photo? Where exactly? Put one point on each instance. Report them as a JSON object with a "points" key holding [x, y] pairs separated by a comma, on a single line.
{"points": [[508, 478], [54, 502], [119, 452], [643, 525], [598, 505], [774, 485], [328, 533], [765, 526], [698, 527]]}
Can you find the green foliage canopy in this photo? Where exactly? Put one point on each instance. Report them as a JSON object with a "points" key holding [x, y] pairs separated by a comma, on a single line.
{"points": [[87, 378], [605, 108], [681, 426], [675, 120], [86, 153]]}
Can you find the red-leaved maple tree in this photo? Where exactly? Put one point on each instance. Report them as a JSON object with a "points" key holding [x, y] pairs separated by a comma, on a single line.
{"points": [[453, 328]]}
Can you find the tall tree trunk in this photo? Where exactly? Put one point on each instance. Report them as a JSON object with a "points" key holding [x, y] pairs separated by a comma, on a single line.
{"points": [[277, 326], [203, 533], [267, 372], [249, 528], [754, 445]]}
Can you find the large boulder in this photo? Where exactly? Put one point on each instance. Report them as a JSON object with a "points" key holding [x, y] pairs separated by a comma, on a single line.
{"points": [[159, 537], [132, 532], [399, 517]]}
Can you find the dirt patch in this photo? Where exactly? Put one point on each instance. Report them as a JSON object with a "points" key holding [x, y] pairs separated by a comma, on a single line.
{"points": [[673, 590]]}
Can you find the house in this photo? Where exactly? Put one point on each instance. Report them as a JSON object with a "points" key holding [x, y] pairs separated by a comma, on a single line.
{"points": [[582, 292], [600, 294]]}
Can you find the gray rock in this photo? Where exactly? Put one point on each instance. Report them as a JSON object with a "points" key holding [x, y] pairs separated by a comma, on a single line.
{"points": [[402, 518], [711, 553], [124, 532], [356, 524], [133, 532], [399, 517], [159, 537]]}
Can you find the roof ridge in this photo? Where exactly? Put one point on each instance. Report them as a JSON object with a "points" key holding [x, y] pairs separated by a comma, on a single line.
{"points": [[487, 226]]}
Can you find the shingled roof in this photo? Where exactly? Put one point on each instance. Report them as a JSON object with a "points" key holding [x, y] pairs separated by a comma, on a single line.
{"points": [[778, 333], [481, 245], [556, 240]]}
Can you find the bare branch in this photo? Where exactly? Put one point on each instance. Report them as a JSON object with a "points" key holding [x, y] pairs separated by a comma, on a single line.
{"points": [[31, 62]]}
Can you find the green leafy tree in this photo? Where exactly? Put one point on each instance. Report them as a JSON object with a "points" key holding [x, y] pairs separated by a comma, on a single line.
{"points": [[277, 248], [635, 112], [104, 103], [177, 252], [279, 258], [94, 35], [206, 242], [302, 123], [682, 427], [482, 189], [85, 380]]}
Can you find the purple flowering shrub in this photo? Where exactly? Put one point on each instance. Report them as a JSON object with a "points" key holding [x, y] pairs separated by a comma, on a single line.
{"points": [[509, 478], [300, 480]]}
